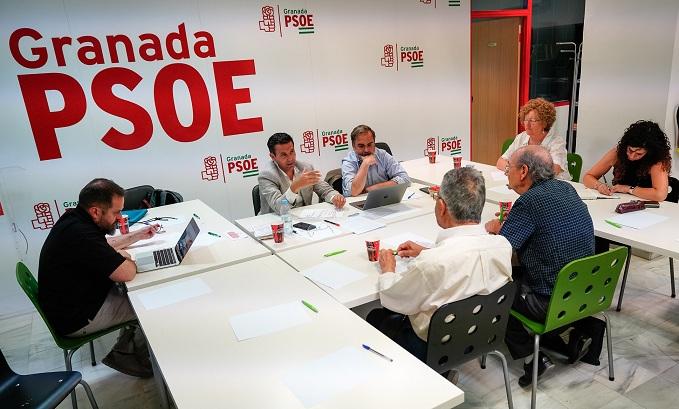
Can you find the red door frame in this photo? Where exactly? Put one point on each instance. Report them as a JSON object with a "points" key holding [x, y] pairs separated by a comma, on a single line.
{"points": [[526, 15]]}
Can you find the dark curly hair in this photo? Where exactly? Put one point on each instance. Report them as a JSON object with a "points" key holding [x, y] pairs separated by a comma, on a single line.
{"points": [[647, 135]]}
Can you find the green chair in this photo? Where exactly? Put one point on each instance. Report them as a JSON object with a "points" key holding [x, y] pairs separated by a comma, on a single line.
{"points": [[574, 165], [69, 345], [584, 287], [505, 145]]}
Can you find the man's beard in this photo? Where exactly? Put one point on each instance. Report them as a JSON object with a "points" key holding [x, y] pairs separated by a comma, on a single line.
{"points": [[110, 230]]}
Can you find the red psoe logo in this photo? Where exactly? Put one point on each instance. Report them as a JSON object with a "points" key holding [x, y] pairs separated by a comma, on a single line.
{"points": [[308, 142], [43, 217], [388, 59], [211, 172], [268, 22], [431, 144]]}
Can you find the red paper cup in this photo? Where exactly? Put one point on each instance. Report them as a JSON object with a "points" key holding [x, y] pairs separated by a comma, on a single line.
{"points": [[432, 156], [123, 224], [457, 162], [434, 191], [277, 231], [505, 207], [373, 247]]}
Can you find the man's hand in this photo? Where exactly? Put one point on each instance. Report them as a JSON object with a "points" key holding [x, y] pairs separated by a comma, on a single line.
{"points": [[369, 160], [339, 201], [147, 232], [387, 260], [306, 178], [493, 226], [409, 249]]}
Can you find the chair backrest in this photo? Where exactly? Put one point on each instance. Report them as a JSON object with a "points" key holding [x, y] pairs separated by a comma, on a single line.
{"points": [[5, 371], [506, 143], [30, 286], [138, 197], [256, 200], [584, 287], [383, 145], [574, 165], [673, 195], [462, 330], [334, 179]]}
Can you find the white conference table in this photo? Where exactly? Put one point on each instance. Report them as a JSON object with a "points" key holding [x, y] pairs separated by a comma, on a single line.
{"points": [[208, 252], [421, 171], [356, 256], [417, 205], [205, 366]]}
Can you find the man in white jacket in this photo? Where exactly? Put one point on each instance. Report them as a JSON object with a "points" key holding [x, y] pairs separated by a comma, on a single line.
{"points": [[465, 261]]}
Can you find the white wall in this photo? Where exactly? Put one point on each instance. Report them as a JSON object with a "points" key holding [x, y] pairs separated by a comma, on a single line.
{"points": [[628, 52], [673, 104]]}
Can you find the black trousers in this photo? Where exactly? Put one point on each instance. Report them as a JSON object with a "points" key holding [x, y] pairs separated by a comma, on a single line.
{"points": [[397, 327], [533, 306]]}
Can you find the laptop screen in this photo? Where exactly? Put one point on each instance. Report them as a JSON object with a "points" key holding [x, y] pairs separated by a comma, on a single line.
{"points": [[187, 239]]}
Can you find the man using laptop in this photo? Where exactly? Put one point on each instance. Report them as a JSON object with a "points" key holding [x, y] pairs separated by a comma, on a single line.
{"points": [[285, 176], [465, 261], [78, 271], [367, 167]]}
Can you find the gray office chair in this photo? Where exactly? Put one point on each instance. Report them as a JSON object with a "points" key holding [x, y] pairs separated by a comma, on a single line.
{"points": [[474, 327], [256, 199]]}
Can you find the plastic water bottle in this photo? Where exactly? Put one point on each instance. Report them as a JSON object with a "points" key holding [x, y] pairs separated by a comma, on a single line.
{"points": [[285, 216]]}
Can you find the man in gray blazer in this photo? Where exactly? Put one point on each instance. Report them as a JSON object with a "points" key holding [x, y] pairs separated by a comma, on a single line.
{"points": [[285, 176]]}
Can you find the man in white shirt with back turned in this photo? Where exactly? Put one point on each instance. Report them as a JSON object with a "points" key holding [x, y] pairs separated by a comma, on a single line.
{"points": [[465, 261]]}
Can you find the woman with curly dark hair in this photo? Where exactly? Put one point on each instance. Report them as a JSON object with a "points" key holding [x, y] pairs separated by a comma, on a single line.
{"points": [[641, 164]]}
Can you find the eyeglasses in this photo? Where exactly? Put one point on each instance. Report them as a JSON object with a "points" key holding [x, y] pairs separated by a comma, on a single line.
{"points": [[532, 121]]}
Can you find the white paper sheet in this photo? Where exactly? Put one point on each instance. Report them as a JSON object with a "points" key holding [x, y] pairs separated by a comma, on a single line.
{"points": [[591, 194], [498, 175], [173, 293], [322, 231], [263, 230], [320, 213], [361, 224], [333, 275], [413, 193], [269, 320], [389, 211], [638, 220], [502, 189], [394, 241], [335, 373]]}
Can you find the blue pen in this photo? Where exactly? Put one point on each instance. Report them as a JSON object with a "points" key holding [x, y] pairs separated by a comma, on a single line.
{"points": [[366, 347], [411, 195]]}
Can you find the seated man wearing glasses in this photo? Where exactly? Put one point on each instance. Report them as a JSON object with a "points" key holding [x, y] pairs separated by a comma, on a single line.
{"points": [[465, 261], [548, 226], [538, 116], [78, 271]]}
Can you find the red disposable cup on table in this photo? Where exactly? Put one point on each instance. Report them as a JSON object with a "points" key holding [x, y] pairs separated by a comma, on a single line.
{"points": [[434, 191], [431, 154], [505, 207], [373, 247], [123, 224], [457, 162], [277, 232]]}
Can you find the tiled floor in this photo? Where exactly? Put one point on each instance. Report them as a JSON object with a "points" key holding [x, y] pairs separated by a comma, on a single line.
{"points": [[645, 339]]}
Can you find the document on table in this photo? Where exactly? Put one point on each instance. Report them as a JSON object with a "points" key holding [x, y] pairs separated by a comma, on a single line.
{"points": [[394, 241], [333, 374], [263, 230], [591, 194], [498, 175], [173, 293], [269, 320], [322, 231], [502, 189], [320, 213], [638, 220], [412, 193], [361, 224], [333, 275]]}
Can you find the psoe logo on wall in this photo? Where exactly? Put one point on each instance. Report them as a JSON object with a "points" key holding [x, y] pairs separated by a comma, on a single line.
{"points": [[44, 216], [394, 56], [334, 139], [451, 145], [245, 165], [297, 20]]}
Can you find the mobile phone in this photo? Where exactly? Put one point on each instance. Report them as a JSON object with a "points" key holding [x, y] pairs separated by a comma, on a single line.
{"points": [[651, 203], [425, 189], [304, 226]]}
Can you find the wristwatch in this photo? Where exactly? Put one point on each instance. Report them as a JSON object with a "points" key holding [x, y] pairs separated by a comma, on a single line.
{"points": [[631, 190]]}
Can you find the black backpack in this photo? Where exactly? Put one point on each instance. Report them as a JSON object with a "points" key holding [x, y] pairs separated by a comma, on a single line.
{"points": [[146, 196]]}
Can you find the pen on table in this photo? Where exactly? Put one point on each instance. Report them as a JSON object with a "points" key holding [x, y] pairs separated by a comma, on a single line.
{"points": [[213, 234], [333, 223], [378, 353], [196, 216], [334, 253], [310, 306], [411, 195], [614, 224]]}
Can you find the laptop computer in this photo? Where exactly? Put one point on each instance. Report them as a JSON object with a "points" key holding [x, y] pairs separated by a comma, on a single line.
{"points": [[170, 256], [382, 197]]}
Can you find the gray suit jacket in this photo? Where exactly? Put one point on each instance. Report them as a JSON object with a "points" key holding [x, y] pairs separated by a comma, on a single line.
{"points": [[273, 183]]}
